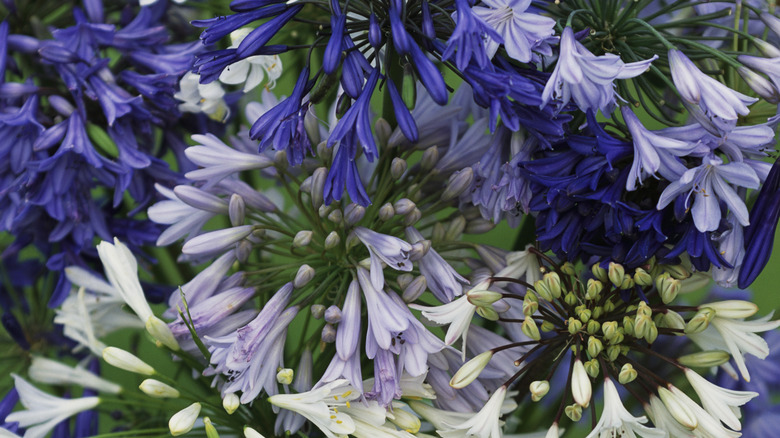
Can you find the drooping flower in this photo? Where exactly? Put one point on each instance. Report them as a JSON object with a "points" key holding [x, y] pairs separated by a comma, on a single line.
{"points": [[615, 420], [522, 32]]}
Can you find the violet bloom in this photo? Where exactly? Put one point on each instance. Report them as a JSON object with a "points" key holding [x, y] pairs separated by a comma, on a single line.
{"points": [[442, 279], [708, 183], [654, 153], [720, 104], [587, 78], [346, 362], [523, 32], [469, 38], [384, 248]]}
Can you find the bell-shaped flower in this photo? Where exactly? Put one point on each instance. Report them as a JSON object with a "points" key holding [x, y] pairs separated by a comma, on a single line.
{"points": [[484, 424], [252, 70], [202, 98], [49, 371], [523, 32], [43, 411], [219, 160], [720, 402], [442, 279], [587, 78], [617, 421], [708, 183], [383, 248], [457, 314]]}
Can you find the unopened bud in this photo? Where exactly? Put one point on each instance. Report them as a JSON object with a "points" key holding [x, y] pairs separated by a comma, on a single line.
{"points": [[126, 361], [479, 226], [570, 299], [211, 431], [406, 421], [455, 228], [700, 321], [574, 325], [593, 327], [629, 326], [553, 283], [652, 333], [610, 329], [488, 313], [317, 184], [471, 370], [627, 374], [733, 309], [530, 306], [324, 211], [705, 359], [333, 314], [613, 352], [354, 213], [584, 315], [642, 278], [438, 232], [182, 421], [419, 249], [303, 276], [641, 325], [161, 332], [581, 389], [285, 376], [280, 158], [231, 402], [386, 212], [670, 287], [594, 289], [599, 272], [236, 210], [592, 368], [336, 216], [383, 130], [413, 288], [398, 167], [481, 297], [156, 389], [616, 273], [568, 268], [595, 347], [673, 320], [678, 272], [547, 326], [413, 217], [644, 309], [539, 389], [328, 334], [323, 151], [332, 240], [459, 182], [543, 290], [317, 310], [430, 158], [767, 49], [530, 329], [251, 433], [312, 127], [404, 280], [302, 238], [404, 206], [678, 409], [574, 412]]}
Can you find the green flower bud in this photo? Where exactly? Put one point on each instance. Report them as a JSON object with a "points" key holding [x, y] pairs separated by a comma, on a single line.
{"points": [[398, 167], [332, 240], [406, 421], [455, 228], [156, 389], [592, 368], [595, 347], [487, 313], [734, 309], [613, 352], [673, 320], [575, 325], [553, 283], [652, 333], [609, 307], [678, 271], [470, 370], [530, 329], [644, 309], [539, 389], [594, 289], [543, 290], [678, 409], [669, 290], [574, 412], [628, 283], [597, 312], [568, 268], [211, 431], [483, 298], [642, 325], [570, 299], [627, 374], [705, 359], [616, 273], [231, 402], [628, 326], [547, 326], [529, 306], [303, 238], [584, 315], [593, 327], [642, 278], [599, 272], [618, 338], [700, 321], [610, 329], [285, 376]]}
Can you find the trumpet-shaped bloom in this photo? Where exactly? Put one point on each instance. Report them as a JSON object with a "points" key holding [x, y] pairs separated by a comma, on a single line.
{"points": [[384, 248], [720, 402], [522, 32], [586, 78], [483, 424], [617, 421], [708, 183]]}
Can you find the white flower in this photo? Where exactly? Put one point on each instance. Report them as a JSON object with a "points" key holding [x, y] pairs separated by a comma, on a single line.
{"points": [[457, 314], [325, 407], [483, 424], [182, 421], [737, 337], [663, 419], [55, 373], [707, 425], [43, 411], [251, 71], [719, 402], [581, 389], [617, 421], [521, 264], [202, 98]]}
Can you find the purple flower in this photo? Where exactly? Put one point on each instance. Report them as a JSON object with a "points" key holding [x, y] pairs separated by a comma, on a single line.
{"points": [[357, 120], [442, 279], [708, 183], [760, 235], [522, 32], [384, 248], [587, 78], [469, 38]]}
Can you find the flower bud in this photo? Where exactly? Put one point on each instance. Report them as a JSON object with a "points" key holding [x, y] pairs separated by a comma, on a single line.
{"points": [[328, 334], [652, 333], [243, 251], [705, 359], [324, 211], [629, 326], [419, 249], [669, 289], [236, 210], [641, 325], [592, 368], [547, 326], [336, 216], [458, 183], [280, 158], [323, 151], [609, 329], [471, 370], [616, 273], [568, 269], [332, 240], [430, 158], [593, 327], [317, 310], [574, 325], [628, 283], [317, 185], [354, 213], [539, 389], [481, 297], [530, 306], [455, 228], [599, 272], [312, 127], [594, 289], [333, 314], [700, 321], [673, 320], [488, 313], [302, 238], [553, 283], [595, 347], [231, 403], [437, 234], [543, 290], [570, 299], [285, 376], [406, 421], [211, 431], [642, 278], [479, 226], [161, 332], [303, 276], [398, 168], [251, 433], [627, 374], [574, 412], [530, 329], [613, 352], [182, 421], [413, 217], [156, 389], [679, 272], [767, 49], [126, 361], [678, 409], [584, 315], [581, 389], [386, 212], [733, 309], [404, 206]]}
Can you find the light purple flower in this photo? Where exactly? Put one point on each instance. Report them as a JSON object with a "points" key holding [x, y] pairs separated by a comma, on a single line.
{"points": [[523, 32], [201, 286], [708, 183], [383, 248], [442, 279], [720, 104], [218, 160], [653, 153], [587, 78], [385, 318], [211, 310], [184, 220]]}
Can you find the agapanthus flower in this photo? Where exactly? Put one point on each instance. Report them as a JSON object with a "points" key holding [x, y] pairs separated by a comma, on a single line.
{"points": [[523, 32]]}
